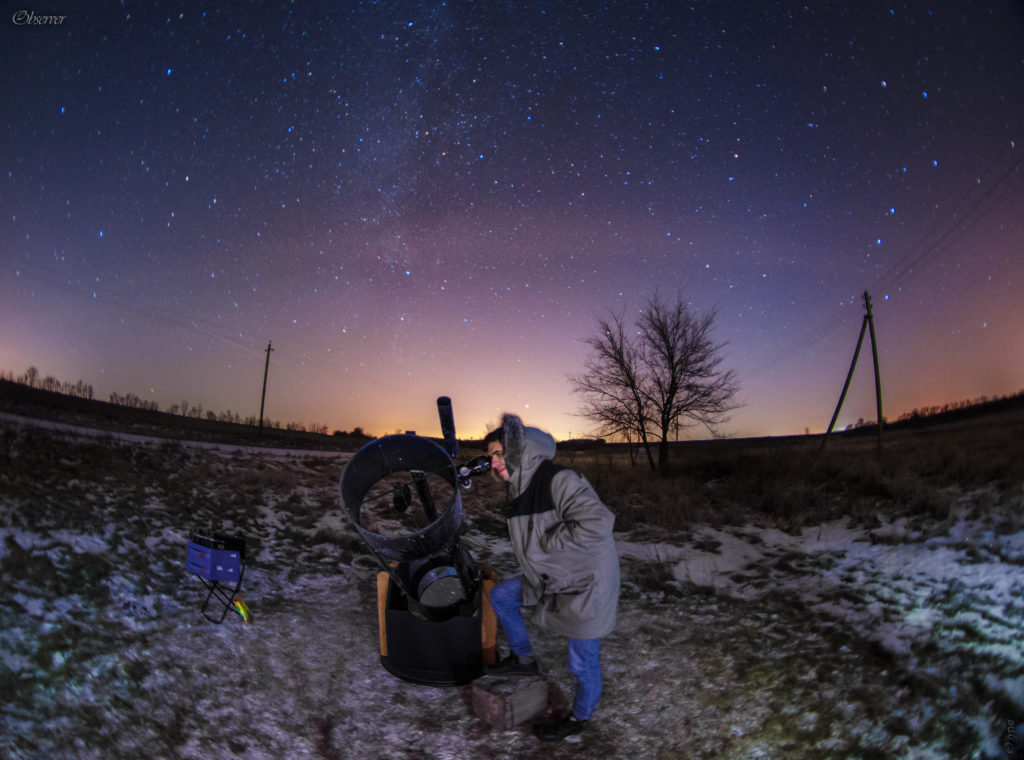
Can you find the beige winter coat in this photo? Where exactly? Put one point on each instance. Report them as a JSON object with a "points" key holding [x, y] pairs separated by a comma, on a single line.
{"points": [[564, 543]]}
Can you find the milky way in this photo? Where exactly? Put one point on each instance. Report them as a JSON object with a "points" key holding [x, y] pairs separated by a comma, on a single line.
{"points": [[413, 200]]}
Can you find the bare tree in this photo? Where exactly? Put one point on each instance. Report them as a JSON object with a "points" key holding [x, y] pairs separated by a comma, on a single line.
{"points": [[651, 382], [611, 383]]}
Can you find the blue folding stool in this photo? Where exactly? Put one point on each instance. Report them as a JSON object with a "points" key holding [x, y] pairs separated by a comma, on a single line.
{"points": [[219, 562]]}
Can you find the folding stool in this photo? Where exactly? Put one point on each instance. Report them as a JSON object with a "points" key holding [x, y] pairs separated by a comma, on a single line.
{"points": [[219, 562]]}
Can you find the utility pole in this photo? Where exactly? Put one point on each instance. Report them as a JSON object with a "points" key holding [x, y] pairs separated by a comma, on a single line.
{"points": [[874, 355], [846, 386], [263, 398], [867, 324]]}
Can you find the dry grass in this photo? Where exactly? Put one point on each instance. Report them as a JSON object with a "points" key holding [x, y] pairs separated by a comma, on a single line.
{"points": [[691, 673], [791, 482]]}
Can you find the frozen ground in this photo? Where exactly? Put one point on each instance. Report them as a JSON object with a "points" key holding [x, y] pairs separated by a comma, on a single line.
{"points": [[899, 642]]}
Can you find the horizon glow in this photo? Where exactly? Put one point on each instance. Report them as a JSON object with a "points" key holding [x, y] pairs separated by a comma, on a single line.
{"points": [[411, 202]]}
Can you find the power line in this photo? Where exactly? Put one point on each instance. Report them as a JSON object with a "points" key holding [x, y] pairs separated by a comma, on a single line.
{"points": [[106, 296], [956, 222], [968, 211], [53, 279]]}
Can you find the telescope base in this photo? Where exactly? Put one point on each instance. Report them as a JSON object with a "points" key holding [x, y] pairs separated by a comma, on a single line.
{"points": [[433, 653]]}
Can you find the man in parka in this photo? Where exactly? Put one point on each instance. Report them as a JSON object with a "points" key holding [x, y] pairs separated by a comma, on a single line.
{"points": [[561, 533]]}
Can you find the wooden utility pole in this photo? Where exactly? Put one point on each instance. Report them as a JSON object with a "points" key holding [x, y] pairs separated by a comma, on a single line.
{"points": [[263, 398], [846, 386], [878, 381], [867, 324]]}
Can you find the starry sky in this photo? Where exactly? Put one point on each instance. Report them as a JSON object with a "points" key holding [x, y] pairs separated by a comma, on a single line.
{"points": [[414, 199]]}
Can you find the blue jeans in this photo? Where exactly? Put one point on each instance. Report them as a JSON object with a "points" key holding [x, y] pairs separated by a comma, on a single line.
{"points": [[584, 654]]}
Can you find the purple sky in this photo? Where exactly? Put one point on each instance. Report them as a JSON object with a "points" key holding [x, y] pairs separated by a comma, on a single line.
{"points": [[414, 200]]}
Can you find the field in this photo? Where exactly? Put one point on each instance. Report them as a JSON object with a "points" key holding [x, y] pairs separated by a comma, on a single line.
{"points": [[777, 602]]}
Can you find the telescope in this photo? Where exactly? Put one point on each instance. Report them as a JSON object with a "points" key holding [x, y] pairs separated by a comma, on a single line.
{"points": [[402, 493]]}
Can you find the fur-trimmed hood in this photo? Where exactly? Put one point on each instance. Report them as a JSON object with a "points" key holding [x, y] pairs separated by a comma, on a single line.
{"points": [[525, 448], [561, 534]]}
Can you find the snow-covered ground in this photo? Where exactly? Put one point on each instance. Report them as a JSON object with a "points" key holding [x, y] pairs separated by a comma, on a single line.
{"points": [[903, 641]]}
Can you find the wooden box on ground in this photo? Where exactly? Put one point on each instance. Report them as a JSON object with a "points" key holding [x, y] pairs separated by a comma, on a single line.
{"points": [[505, 701]]}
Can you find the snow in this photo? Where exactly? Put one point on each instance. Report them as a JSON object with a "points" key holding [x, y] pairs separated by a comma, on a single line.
{"points": [[733, 642], [79, 542]]}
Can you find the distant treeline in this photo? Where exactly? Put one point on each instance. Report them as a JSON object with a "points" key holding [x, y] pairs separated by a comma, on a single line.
{"points": [[50, 383], [982, 401], [31, 378], [82, 390], [947, 412]]}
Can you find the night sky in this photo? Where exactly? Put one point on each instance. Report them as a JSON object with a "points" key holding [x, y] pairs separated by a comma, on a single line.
{"points": [[442, 198]]}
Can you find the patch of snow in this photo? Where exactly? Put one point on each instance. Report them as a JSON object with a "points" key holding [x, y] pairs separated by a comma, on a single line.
{"points": [[32, 606], [80, 543], [762, 644]]}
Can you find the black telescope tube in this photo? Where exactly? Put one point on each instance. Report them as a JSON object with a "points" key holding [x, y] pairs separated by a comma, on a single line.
{"points": [[388, 455], [444, 411], [427, 559]]}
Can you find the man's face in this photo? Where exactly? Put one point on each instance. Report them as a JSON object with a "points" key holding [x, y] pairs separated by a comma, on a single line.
{"points": [[497, 454]]}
